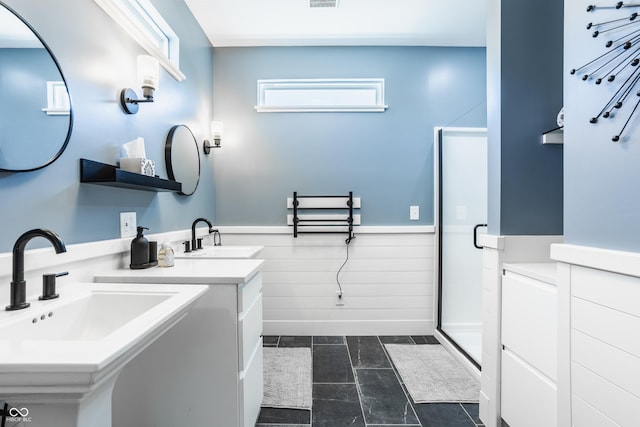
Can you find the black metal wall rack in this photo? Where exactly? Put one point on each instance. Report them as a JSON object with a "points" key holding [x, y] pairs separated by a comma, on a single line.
{"points": [[323, 214]]}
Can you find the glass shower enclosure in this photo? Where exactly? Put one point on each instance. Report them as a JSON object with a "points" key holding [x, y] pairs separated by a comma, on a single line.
{"points": [[461, 161]]}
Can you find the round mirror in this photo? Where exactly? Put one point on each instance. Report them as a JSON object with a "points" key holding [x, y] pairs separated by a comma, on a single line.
{"points": [[182, 156], [35, 110]]}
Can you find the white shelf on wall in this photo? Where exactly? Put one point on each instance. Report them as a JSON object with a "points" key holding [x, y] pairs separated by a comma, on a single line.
{"points": [[555, 136]]}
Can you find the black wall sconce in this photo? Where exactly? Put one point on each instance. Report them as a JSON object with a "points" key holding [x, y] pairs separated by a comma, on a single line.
{"points": [[148, 77], [217, 129]]}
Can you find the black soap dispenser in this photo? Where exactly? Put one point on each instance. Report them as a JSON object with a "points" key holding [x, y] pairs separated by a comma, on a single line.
{"points": [[140, 251]]}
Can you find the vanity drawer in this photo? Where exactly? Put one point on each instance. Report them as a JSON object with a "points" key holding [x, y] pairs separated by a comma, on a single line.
{"points": [[528, 398], [249, 292], [529, 321], [251, 388], [249, 332]]}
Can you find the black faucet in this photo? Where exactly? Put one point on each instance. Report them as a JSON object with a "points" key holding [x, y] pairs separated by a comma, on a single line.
{"points": [[194, 246], [217, 242], [18, 284]]}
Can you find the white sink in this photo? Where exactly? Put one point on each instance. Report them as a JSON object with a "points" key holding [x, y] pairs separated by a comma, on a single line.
{"points": [[89, 318], [66, 349], [218, 252]]}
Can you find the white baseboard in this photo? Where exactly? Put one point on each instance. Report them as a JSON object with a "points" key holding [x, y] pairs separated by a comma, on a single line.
{"points": [[348, 328], [484, 415]]}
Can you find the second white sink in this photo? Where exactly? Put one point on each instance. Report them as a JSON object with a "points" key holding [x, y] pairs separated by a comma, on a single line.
{"points": [[222, 252]]}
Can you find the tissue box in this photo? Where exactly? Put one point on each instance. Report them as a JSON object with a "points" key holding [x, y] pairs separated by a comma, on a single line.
{"points": [[138, 165]]}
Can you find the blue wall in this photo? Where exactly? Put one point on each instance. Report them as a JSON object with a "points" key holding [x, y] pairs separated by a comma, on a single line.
{"points": [[98, 58], [524, 59], [23, 80], [385, 158], [602, 177]]}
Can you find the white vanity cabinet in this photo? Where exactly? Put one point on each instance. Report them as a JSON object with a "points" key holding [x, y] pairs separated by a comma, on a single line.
{"points": [[208, 371], [529, 345]]}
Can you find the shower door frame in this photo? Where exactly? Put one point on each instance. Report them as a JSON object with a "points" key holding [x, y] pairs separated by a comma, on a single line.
{"points": [[441, 335]]}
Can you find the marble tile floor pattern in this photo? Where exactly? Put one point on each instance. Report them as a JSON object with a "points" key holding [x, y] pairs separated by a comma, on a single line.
{"points": [[355, 384]]}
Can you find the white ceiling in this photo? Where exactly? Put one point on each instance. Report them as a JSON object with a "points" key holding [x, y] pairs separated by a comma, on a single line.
{"points": [[353, 22]]}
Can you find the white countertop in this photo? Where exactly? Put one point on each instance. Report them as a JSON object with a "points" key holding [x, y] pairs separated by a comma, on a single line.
{"points": [[192, 271], [544, 271]]}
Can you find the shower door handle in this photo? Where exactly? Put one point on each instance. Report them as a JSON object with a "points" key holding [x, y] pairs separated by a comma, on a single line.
{"points": [[475, 235]]}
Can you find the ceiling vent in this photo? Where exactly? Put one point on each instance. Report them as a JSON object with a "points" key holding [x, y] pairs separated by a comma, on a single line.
{"points": [[323, 3]]}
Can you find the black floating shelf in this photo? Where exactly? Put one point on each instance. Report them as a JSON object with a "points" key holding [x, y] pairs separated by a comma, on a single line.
{"points": [[92, 172]]}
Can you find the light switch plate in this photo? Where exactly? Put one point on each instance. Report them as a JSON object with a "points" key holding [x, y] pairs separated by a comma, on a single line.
{"points": [[414, 213], [128, 224]]}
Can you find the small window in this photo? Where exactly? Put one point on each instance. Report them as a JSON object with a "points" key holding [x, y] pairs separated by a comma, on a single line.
{"points": [[321, 95], [144, 23], [57, 99]]}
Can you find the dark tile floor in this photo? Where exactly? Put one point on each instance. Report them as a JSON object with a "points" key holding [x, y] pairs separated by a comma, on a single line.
{"points": [[355, 384]]}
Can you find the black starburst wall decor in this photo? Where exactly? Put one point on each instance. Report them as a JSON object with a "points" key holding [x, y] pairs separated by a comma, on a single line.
{"points": [[617, 67]]}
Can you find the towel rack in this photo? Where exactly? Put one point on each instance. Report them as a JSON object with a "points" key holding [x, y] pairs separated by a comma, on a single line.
{"points": [[323, 214]]}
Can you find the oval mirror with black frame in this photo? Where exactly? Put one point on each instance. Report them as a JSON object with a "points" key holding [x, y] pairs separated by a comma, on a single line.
{"points": [[182, 157], [35, 107]]}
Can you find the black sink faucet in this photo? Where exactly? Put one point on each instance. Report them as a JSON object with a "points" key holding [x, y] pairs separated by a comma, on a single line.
{"points": [[218, 241], [193, 232], [18, 284]]}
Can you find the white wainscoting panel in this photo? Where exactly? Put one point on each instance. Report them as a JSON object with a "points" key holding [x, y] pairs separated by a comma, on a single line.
{"points": [[387, 283], [604, 357], [586, 415], [492, 260], [605, 319], [604, 396]]}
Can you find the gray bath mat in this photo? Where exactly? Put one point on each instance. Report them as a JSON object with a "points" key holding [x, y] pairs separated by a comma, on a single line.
{"points": [[287, 378], [431, 374]]}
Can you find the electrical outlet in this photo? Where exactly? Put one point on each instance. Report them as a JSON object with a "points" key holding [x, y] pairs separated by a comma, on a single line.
{"points": [[414, 213], [128, 226], [339, 299]]}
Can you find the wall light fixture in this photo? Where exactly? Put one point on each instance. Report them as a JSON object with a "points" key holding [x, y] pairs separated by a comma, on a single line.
{"points": [[217, 129], [148, 78]]}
